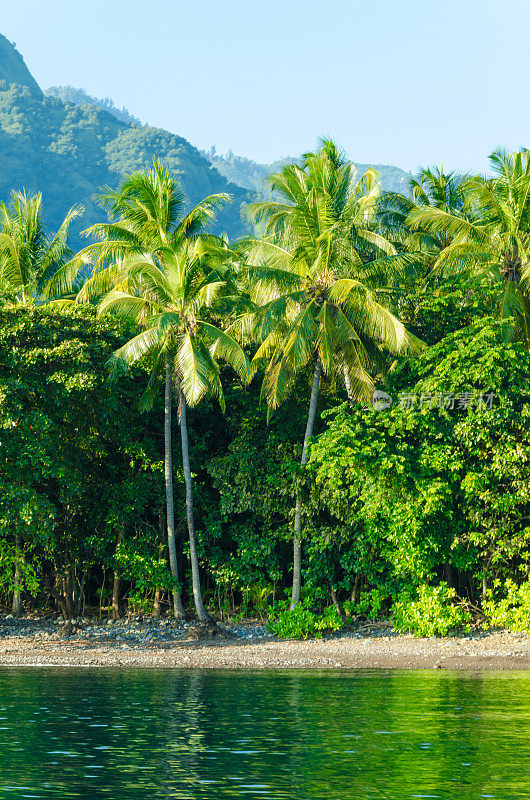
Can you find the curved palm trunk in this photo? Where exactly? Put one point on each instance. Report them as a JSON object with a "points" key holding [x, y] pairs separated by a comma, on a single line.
{"points": [[297, 559], [197, 596], [178, 609]]}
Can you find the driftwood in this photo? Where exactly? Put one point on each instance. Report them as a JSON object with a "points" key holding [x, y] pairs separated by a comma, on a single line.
{"points": [[67, 630], [207, 630], [375, 626]]}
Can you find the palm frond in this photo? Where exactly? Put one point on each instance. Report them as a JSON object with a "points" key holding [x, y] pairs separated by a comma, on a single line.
{"points": [[222, 345]]}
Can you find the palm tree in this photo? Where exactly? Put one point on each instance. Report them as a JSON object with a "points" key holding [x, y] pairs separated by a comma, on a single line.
{"points": [[28, 256], [154, 267], [432, 188], [490, 238], [173, 294], [315, 278]]}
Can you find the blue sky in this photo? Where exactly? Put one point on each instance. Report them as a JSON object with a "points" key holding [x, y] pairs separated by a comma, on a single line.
{"points": [[393, 81]]}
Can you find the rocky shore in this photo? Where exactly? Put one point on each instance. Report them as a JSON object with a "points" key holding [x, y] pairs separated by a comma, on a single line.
{"points": [[32, 641]]}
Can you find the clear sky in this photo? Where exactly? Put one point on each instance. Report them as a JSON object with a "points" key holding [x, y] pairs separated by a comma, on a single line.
{"points": [[405, 82]]}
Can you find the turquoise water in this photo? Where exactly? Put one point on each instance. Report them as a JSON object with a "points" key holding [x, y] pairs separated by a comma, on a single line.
{"points": [[297, 735]]}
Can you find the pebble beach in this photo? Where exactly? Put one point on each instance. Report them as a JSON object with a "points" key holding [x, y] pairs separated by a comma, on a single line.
{"points": [[167, 643]]}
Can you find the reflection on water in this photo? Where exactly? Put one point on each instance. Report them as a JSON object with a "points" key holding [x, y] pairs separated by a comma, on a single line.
{"points": [[297, 735]]}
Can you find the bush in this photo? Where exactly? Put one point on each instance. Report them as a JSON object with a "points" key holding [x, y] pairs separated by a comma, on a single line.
{"points": [[371, 602], [513, 611], [431, 612], [302, 623]]}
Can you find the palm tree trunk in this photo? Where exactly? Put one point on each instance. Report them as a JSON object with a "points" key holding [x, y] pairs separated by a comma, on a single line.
{"points": [[115, 602], [347, 383], [297, 559], [16, 608], [156, 603], [197, 596], [178, 609]]}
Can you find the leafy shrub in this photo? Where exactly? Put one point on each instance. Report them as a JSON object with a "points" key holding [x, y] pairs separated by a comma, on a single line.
{"points": [[260, 596], [431, 612], [371, 602], [512, 611], [146, 571], [303, 622]]}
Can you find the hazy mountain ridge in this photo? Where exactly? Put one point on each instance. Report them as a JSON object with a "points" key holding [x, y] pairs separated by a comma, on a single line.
{"points": [[68, 145], [252, 175], [69, 151]]}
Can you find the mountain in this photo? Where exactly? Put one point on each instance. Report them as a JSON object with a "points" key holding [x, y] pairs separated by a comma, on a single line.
{"points": [[69, 151], [252, 176], [13, 68], [68, 145]]}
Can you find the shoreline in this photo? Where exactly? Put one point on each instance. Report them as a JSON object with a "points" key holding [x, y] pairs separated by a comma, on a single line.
{"points": [[495, 651]]}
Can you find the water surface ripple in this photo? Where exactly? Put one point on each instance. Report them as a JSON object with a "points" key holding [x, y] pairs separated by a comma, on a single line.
{"points": [[361, 735]]}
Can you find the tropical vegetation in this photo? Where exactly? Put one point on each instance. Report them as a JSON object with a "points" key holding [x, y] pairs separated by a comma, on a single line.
{"points": [[349, 384]]}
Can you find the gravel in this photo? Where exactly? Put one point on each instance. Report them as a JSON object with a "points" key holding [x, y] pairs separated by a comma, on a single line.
{"points": [[149, 642]]}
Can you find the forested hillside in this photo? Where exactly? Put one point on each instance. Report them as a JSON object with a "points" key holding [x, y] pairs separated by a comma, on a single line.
{"points": [[68, 152], [69, 94], [68, 144]]}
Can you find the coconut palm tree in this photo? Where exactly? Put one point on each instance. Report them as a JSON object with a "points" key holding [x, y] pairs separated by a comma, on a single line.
{"points": [[173, 294], [153, 265], [318, 279], [432, 188], [490, 238], [436, 188], [28, 256]]}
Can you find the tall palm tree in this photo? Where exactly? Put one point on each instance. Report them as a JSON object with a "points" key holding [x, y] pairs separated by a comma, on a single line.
{"points": [[29, 257], [173, 294], [153, 266], [490, 238], [318, 279]]}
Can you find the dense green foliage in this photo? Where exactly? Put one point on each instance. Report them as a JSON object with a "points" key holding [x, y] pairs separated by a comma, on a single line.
{"points": [[80, 465], [302, 622], [430, 611], [437, 490]]}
